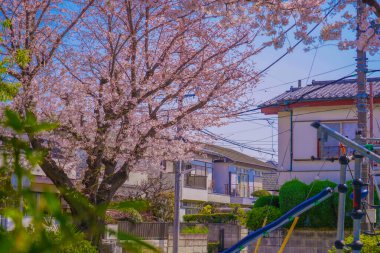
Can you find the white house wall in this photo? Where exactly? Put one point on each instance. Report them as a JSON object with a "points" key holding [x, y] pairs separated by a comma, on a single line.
{"points": [[305, 143]]}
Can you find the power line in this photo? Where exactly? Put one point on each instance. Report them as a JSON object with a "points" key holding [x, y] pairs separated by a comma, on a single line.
{"points": [[234, 142], [305, 78], [298, 42]]}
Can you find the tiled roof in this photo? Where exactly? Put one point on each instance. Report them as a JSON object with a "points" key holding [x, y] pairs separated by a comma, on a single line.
{"points": [[236, 156], [322, 90]]}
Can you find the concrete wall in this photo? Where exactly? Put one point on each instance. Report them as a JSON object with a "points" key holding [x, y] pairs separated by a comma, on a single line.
{"points": [[188, 243], [305, 142], [301, 241], [219, 198], [194, 194], [136, 177]]}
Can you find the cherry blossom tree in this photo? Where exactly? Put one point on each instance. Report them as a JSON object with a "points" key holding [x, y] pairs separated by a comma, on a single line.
{"points": [[131, 83]]}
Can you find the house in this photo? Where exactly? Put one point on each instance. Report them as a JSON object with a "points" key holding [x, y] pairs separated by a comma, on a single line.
{"points": [[222, 176], [216, 175], [301, 154]]}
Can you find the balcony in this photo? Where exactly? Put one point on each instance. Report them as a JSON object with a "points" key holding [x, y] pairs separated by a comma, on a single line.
{"points": [[195, 181], [238, 190]]}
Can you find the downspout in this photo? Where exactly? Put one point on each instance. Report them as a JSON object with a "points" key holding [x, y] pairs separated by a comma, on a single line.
{"points": [[291, 140]]}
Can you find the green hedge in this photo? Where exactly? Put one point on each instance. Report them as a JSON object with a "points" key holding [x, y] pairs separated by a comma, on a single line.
{"points": [[212, 247], [257, 215], [194, 230], [369, 244], [324, 215], [267, 201], [211, 218], [293, 193], [260, 193]]}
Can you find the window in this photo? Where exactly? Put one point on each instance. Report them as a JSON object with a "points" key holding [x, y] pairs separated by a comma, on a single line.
{"points": [[197, 177], [190, 207], [330, 148]]}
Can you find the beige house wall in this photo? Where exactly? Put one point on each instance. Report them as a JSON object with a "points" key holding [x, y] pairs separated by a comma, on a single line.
{"points": [[305, 142]]}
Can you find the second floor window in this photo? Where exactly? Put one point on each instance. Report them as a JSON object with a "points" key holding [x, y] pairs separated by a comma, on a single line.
{"points": [[330, 148], [197, 177]]}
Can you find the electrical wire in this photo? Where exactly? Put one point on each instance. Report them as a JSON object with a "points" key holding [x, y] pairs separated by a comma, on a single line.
{"points": [[298, 42]]}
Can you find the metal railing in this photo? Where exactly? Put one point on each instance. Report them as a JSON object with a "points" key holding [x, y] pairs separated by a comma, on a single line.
{"points": [[195, 181], [238, 190]]}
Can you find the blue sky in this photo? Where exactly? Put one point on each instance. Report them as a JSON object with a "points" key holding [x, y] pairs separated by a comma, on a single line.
{"points": [[293, 67]]}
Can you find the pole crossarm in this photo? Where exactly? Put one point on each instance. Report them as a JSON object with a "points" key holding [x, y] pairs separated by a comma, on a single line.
{"points": [[347, 142]]}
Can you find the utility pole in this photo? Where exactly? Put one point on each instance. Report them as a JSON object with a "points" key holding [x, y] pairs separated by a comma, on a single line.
{"points": [[177, 188], [362, 112], [177, 200]]}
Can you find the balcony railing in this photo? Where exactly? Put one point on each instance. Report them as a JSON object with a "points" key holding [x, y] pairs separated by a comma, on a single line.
{"points": [[238, 190], [195, 181]]}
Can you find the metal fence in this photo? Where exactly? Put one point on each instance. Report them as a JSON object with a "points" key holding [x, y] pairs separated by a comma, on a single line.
{"points": [[147, 231]]}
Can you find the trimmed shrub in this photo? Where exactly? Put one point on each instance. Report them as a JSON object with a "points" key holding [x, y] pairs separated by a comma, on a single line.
{"points": [[267, 201], [369, 244], [293, 193], [324, 215], [260, 193], [75, 245], [195, 230], [140, 205], [257, 215], [211, 218], [207, 209], [212, 247]]}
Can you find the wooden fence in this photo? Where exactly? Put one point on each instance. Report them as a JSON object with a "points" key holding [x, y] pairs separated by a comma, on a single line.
{"points": [[147, 231]]}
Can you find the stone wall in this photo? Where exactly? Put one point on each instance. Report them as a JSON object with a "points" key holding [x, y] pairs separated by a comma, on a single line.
{"points": [[188, 243], [310, 241], [231, 233]]}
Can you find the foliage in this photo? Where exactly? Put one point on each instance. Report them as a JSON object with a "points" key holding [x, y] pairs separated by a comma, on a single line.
{"points": [[324, 215], [369, 244], [127, 214], [257, 216], [163, 206], [113, 83], [261, 193], [19, 159], [154, 197], [291, 194], [207, 209], [211, 218], [212, 247], [76, 245], [22, 57], [240, 213], [195, 230], [140, 205], [267, 201]]}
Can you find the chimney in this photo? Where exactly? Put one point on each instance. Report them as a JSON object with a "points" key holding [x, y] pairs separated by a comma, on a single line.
{"points": [[299, 83]]}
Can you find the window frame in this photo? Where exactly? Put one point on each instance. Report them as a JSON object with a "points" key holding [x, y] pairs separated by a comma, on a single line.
{"points": [[319, 142]]}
